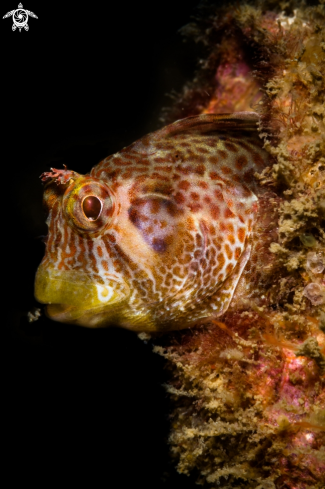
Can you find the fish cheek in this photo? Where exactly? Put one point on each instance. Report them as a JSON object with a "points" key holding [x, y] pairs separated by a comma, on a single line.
{"points": [[156, 220]]}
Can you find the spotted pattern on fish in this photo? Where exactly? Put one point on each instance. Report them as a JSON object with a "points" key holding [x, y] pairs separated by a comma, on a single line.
{"points": [[173, 235]]}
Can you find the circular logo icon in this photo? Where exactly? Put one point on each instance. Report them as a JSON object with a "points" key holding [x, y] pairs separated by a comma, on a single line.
{"points": [[20, 19]]}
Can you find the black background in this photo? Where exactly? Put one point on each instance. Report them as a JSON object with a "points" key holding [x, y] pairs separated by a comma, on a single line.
{"points": [[80, 406]]}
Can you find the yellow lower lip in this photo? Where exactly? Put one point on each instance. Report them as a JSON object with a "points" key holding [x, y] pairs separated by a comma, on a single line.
{"points": [[72, 297]]}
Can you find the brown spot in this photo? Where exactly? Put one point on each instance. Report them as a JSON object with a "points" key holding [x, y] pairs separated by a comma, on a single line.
{"points": [[203, 185], [99, 251], [218, 194], [185, 170], [122, 162], [222, 226], [231, 147], [223, 154], [111, 238], [194, 207], [207, 199], [241, 234], [158, 176], [245, 146], [195, 196], [159, 245], [215, 211], [258, 160], [229, 268], [176, 270], [136, 218], [184, 185], [197, 254], [221, 259], [166, 168], [237, 253], [198, 239], [160, 159], [228, 251], [145, 141], [230, 227], [202, 150], [248, 176], [149, 230], [154, 206], [200, 169], [179, 198], [229, 214], [105, 265], [231, 239], [241, 161], [226, 170], [213, 160]]}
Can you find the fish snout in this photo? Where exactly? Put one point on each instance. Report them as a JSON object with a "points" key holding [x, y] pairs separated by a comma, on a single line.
{"points": [[74, 297]]}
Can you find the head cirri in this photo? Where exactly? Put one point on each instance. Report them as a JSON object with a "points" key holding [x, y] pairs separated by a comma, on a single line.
{"points": [[156, 236]]}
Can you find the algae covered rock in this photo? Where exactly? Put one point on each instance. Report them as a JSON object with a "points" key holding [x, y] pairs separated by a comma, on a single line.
{"points": [[249, 387]]}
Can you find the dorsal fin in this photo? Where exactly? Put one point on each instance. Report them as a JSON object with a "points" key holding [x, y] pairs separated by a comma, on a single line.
{"points": [[237, 121]]}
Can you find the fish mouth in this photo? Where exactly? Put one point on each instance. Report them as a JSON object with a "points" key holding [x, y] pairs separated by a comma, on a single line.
{"points": [[74, 297]]}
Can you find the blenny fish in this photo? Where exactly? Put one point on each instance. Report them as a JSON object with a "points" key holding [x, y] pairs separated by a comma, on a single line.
{"points": [[157, 236]]}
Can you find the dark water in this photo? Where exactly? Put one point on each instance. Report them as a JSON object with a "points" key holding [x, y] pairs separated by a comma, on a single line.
{"points": [[80, 405]]}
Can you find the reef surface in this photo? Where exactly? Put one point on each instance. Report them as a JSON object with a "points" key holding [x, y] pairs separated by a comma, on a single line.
{"points": [[248, 389]]}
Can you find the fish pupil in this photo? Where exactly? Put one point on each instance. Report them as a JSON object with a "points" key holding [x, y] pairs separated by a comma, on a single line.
{"points": [[92, 207]]}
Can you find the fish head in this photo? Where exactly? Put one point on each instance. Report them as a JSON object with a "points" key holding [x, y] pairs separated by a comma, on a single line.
{"points": [[157, 235], [110, 249]]}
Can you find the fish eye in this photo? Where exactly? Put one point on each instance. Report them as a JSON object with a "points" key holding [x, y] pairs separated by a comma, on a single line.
{"points": [[92, 207], [88, 205]]}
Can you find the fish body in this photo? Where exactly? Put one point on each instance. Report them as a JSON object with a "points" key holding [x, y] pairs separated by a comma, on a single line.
{"points": [[157, 236]]}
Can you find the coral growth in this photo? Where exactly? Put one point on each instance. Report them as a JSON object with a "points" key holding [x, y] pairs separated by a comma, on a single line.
{"points": [[249, 388]]}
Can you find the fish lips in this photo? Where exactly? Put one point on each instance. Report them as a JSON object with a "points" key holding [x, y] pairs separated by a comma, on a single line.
{"points": [[74, 297]]}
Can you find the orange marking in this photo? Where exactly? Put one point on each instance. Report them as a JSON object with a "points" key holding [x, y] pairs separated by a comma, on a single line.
{"points": [[195, 196], [105, 265], [99, 251], [241, 161], [184, 185], [229, 214], [218, 194], [223, 154], [231, 147], [237, 253], [194, 207], [226, 170], [241, 235], [229, 268], [154, 206], [179, 198], [215, 211], [203, 185], [213, 160], [258, 160], [228, 251]]}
